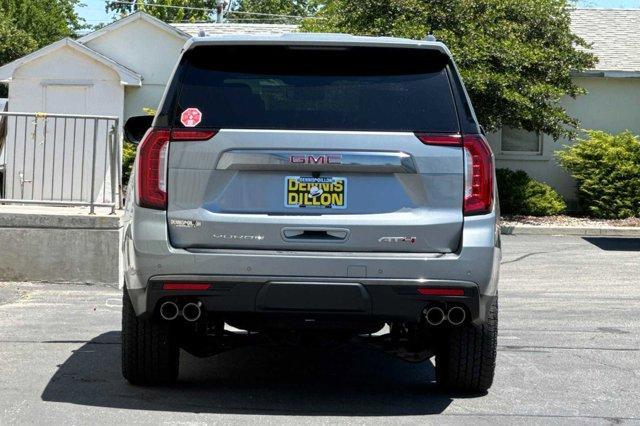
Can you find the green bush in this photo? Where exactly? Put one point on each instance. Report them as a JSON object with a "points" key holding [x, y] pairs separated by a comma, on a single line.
{"points": [[128, 157], [520, 194], [129, 153], [606, 169]]}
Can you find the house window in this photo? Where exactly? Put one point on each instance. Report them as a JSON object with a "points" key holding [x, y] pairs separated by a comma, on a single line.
{"points": [[518, 141]]}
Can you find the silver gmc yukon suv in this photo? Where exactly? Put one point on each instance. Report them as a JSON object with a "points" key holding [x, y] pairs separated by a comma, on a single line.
{"points": [[312, 188]]}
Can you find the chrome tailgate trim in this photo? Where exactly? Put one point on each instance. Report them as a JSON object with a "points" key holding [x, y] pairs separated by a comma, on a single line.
{"points": [[339, 161]]}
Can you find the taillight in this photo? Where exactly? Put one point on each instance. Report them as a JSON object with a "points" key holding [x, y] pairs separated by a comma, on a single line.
{"points": [[440, 139], [478, 175], [478, 168], [152, 163], [152, 169], [192, 135]]}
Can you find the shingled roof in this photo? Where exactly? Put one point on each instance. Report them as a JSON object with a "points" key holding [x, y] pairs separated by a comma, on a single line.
{"points": [[614, 35], [213, 28]]}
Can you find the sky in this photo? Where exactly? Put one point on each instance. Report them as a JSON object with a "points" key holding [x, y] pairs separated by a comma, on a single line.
{"points": [[614, 4], [93, 11]]}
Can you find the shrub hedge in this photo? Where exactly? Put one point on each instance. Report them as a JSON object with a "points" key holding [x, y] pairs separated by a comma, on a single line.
{"points": [[521, 195], [606, 169], [128, 157]]}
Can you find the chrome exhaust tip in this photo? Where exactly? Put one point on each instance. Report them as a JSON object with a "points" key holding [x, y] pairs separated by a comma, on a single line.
{"points": [[434, 316], [169, 311], [456, 315], [191, 311]]}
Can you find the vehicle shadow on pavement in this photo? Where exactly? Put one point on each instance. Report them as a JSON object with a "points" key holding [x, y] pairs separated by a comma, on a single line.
{"points": [[352, 381], [615, 243]]}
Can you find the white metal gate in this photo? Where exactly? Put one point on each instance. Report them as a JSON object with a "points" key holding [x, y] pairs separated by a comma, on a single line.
{"points": [[61, 159]]}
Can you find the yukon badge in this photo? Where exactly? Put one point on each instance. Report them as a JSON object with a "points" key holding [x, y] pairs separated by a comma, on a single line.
{"points": [[237, 237], [411, 240]]}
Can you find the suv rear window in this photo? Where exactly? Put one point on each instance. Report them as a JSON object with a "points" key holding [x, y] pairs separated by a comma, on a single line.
{"points": [[299, 88]]}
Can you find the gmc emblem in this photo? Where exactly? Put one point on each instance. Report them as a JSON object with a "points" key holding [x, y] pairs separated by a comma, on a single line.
{"points": [[316, 159]]}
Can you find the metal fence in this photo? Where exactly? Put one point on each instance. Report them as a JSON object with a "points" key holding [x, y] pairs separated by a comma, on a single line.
{"points": [[60, 159]]}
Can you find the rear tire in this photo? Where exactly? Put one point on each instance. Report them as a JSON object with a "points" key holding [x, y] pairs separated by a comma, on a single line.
{"points": [[466, 359], [150, 353]]}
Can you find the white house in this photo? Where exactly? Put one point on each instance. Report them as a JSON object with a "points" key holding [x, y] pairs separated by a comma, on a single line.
{"points": [[115, 71], [118, 70], [124, 67]]}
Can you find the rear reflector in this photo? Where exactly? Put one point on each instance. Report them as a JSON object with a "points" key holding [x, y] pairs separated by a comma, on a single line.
{"points": [[440, 139], [430, 291], [478, 175], [186, 286]]}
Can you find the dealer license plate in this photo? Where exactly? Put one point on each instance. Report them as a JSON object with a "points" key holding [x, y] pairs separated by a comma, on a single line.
{"points": [[315, 192]]}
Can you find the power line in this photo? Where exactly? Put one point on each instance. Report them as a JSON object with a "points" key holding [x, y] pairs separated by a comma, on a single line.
{"points": [[168, 6], [276, 15]]}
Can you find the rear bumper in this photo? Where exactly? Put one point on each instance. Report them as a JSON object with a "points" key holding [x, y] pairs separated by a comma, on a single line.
{"points": [[386, 282], [314, 298]]}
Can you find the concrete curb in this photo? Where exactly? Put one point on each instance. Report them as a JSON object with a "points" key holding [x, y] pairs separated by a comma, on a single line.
{"points": [[51, 221], [605, 231], [48, 217]]}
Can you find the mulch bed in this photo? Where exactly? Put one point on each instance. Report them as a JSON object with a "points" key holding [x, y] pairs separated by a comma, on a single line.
{"points": [[564, 220]]}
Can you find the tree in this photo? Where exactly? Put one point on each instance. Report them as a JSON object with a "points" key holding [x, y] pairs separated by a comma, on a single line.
{"points": [[516, 56], [259, 10], [26, 25], [166, 10], [14, 42], [45, 21]]}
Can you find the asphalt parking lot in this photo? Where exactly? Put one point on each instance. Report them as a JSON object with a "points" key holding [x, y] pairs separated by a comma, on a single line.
{"points": [[569, 352]]}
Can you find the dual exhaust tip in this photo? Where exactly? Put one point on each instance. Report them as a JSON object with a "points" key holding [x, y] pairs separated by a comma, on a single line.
{"points": [[435, 315], [191, 311]]}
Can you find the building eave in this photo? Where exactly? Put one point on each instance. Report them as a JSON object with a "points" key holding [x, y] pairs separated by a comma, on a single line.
{"points": [[127, 76], [130, 18], [607, 74]]}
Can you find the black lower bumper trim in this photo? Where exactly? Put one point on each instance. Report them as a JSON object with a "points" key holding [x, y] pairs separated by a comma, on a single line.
{"points": [[362, 299]]}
